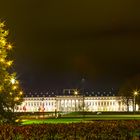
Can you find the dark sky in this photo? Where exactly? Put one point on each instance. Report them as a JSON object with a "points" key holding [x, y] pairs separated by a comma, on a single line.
{"points": [[59, 42]]}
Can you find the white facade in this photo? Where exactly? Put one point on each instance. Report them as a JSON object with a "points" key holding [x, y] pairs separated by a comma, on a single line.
{"points": [[73, 103]]}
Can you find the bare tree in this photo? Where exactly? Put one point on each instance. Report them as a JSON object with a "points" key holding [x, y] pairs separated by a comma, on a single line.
{"points": [[127, 90]]}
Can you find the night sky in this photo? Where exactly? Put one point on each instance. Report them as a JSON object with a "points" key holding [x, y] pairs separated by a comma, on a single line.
{"points": [[57, 43]]}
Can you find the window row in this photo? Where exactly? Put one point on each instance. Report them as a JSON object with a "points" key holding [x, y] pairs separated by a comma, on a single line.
{"points": [[40, 104]]}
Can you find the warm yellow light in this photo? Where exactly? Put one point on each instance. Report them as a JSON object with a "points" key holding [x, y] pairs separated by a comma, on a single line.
{"points": [[9, 63], [17, 82], [13, 80], [135, 93], [14, 87], [17, 120], [9, 46], [1, 60], [16, 99], [3, 42], [2, 24], [20, 92], [6, 33], [11, 93], [75, 92]]}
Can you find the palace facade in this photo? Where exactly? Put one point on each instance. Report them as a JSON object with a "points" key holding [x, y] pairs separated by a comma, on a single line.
{"points": [[69, 102]]}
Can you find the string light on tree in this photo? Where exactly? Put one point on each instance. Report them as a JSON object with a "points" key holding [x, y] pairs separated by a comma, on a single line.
{"points": [[9, 63], [11, 94], [2, 60], [17, 82], [9, 46], [16, 99], [14, 87], [2, 24], [0, 88], [13, 80], [20, 93]]}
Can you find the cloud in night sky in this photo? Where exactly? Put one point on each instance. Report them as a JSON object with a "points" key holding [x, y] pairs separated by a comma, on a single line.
{"points": [[59, 42]]}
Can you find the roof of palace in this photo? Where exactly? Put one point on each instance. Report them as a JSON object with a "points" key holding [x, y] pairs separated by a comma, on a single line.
{"points": [[55, 93]]}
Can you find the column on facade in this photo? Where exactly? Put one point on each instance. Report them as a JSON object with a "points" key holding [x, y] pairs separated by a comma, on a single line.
{"points": [[59, 104], [64, 105]]}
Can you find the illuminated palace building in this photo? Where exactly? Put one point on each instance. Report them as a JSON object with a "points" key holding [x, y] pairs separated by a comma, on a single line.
{"points": [[71, 100]]}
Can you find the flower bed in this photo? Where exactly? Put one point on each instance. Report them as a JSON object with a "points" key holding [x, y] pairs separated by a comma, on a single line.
{"points": [[106, 130]]}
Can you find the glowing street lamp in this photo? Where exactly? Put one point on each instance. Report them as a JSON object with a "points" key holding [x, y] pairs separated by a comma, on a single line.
{"points": [[135, 94], [75, 93]]}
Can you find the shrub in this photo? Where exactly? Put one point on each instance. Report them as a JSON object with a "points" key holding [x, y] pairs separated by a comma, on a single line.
{"points": [[106, 130]]}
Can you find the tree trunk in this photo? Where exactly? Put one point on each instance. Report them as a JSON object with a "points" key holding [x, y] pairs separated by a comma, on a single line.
{"points": [[127, 105]]}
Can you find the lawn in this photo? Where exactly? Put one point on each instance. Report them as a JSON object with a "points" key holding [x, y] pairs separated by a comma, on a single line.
{"points": [[52, 120], [77, 119]]}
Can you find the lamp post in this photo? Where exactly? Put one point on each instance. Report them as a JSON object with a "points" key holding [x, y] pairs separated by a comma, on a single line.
{"points": [[134, 107]]}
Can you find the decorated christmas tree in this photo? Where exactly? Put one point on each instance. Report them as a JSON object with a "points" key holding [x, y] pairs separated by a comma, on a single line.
{"points": [[11, 94]]}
